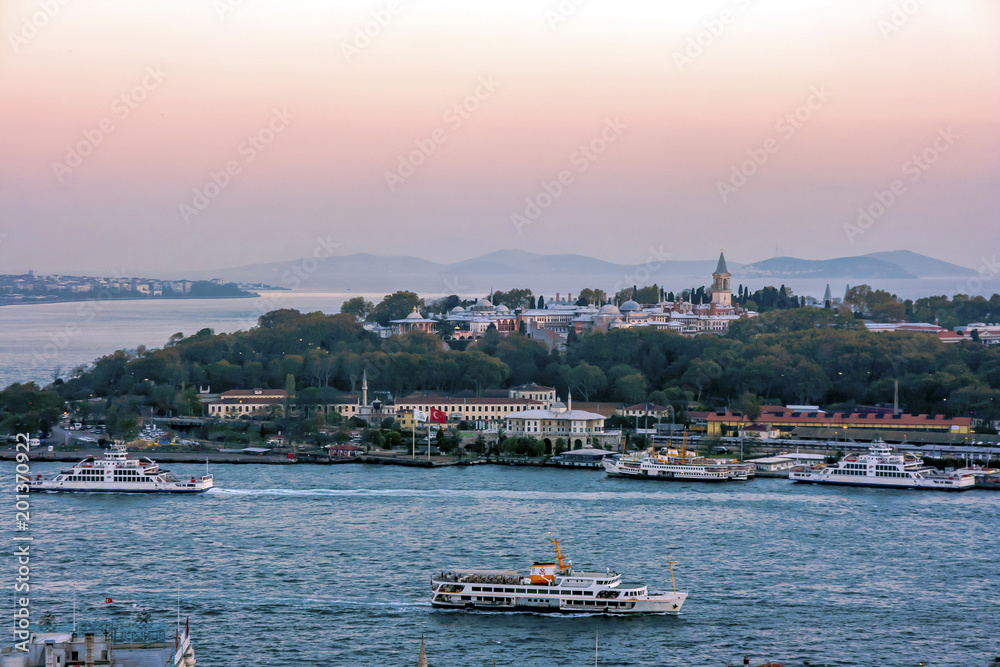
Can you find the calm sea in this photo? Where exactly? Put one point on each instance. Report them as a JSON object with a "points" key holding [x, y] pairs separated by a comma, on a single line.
{"points": [[311, 565], [37, 340]]}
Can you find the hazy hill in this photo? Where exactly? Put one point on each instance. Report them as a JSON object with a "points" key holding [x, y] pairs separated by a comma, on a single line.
{"points": [[503, 269], [921, 266], [862, 268]]}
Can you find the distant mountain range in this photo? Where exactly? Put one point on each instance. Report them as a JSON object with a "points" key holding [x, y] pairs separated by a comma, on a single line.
{"points": [[504, 269]]}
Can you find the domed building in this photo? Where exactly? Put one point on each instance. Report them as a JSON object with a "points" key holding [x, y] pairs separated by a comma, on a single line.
{"points": [[412, 322], [482, 304], [607, 316], [629, 306]]}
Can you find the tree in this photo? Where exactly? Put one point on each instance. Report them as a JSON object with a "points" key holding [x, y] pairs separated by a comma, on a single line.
{"points": [[396, 306], [594, 297], [586, 380], [541, 302], [121, 424], [877, 304], [358, 307], [515, 298], [700, 374], [631, 388], [749, 404]]}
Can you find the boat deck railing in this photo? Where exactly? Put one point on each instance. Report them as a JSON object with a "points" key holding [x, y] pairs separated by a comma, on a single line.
{"points": [[118, 632]]}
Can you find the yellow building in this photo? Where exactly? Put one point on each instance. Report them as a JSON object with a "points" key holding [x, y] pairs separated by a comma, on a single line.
{"points": [[483, 413], [786, 419], [237, 403]]}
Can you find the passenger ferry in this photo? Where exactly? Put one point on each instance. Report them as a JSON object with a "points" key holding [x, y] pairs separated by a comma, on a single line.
{"points": [[118, 473], [551, 588], [138, 643], [883, 467], [669, 464]]}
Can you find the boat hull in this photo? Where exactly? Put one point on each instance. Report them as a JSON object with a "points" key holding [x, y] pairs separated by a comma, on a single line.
{"points": [[84, 487], [671, 477], [660, 604], [883, 485]]}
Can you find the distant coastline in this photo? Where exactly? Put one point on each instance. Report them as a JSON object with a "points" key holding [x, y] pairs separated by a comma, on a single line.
{"points": [[5, 301], [30, 289]]}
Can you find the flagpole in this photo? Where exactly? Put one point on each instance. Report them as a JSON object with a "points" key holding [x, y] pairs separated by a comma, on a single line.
{"points": [[413, 449]]}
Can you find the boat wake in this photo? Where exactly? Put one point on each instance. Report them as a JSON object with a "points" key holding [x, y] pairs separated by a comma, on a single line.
{"points": [[503, 494]]}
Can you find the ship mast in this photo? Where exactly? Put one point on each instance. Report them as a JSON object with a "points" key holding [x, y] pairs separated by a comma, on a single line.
{"points": [[559, 556], [671, 562]]}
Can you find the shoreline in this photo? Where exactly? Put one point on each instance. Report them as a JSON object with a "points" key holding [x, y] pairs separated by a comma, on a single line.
{"points": [[4, 302]]}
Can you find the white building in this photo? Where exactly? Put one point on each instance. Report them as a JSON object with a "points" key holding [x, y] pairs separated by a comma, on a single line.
{"points": [[578, 428]]}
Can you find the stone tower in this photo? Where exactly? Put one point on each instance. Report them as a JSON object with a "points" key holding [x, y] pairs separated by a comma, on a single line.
{"points": [[722, 292]]}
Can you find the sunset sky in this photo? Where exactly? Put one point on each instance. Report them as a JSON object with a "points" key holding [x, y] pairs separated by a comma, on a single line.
{"points": [[116, 114]]}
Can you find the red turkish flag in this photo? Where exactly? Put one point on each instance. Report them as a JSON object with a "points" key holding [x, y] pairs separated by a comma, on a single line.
{"points": [[438, 416], [108, 600]]}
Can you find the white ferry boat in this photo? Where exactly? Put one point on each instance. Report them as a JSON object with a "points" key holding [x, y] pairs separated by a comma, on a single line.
{"points": [[883, 467], [668, 464], [119, 473], [108, 644], [551, 588]]}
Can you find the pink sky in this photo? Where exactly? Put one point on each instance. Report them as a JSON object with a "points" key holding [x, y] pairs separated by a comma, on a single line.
{"points": [[891, 88]]}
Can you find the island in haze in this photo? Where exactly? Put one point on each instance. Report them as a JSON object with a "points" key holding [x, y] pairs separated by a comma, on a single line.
{"points": [[31, 288], [366, 272]]}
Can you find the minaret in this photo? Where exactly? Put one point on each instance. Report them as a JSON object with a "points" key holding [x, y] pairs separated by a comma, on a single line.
{"points": [[422, 658], [569, 400], [722, 293], [364, 388]]}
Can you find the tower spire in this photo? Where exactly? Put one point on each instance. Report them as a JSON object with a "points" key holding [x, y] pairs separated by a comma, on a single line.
{"points": [[422, 658], [364, 388]]}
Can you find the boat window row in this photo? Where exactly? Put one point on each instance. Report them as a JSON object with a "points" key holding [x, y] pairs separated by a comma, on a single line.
{"points": [[890, 473], [100, 478], [527, 591]]}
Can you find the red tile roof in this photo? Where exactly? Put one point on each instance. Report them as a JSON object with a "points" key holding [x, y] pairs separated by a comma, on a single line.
{"points": [[780, 414]]}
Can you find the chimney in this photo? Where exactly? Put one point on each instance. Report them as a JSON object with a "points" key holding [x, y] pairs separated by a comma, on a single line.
{"points": [[569, 297], [557, 296]]}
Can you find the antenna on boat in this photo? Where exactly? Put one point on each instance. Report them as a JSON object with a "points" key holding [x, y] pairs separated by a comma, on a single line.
{"points": [[74, 610], [178, 610], [559, 555], [671, 562]]}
